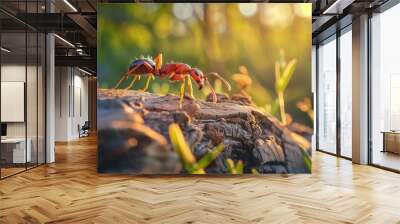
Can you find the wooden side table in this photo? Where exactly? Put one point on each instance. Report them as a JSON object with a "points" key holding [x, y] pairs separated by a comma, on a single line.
{"points": [[391, 141]]}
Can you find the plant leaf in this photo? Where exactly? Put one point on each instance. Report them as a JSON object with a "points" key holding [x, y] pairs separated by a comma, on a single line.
{"points": [[180, 145], [239, 167], [307, 160], [197, 171], [286, 76], [275, 107], [254, 171], [209, 157], [231, 166]]}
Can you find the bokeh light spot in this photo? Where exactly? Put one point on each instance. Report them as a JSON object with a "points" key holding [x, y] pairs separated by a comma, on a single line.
{"points": [[163, 26], [183, 11], [277, 16], [303, 10], [248, 9]]}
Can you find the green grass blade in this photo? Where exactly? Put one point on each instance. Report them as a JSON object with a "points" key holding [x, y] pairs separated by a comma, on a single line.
{"points": [[307, 160], [208, 158], [275, 107], [231, 166], [180, 146], [254, 171], [239, 167], [197, 171], [286, 76]]}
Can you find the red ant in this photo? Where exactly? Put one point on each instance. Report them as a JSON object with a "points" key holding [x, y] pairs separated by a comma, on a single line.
{"points": [[174, 71]]}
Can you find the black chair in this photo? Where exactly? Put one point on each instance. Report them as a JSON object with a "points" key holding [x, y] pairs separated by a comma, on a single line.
{"points": [[84, 130]]}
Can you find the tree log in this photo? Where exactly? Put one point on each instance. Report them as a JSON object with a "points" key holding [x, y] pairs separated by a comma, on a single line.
{"points": [[133, 134]]}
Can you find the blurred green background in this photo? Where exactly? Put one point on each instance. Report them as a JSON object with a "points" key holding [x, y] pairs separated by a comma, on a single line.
{"points": [[214, 37]]}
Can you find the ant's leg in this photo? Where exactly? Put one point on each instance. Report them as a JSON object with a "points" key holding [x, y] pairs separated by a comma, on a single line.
{"points": [[182, 93], [213, 94], [124, 77], [150, 75], [149, 78], [226, 83], [190, 86], [132, 82], [171, 75]]}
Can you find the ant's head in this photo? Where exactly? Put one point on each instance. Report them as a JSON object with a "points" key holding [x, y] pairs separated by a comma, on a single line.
{"points": [[198, 76]]}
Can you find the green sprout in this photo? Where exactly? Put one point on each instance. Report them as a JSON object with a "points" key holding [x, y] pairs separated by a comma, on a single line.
{"points": [[272, 108], [187, 158], [234, 168], [307, 160], [283, 74], [254, 171]]}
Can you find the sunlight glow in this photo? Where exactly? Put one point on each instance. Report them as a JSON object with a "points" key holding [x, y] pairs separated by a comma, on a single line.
{"points": [[183, 11], [303, 10], [248, 9], [278, 16]]}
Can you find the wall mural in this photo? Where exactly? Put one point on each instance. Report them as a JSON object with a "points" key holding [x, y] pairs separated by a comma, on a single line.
{"points": [[194, 88]]}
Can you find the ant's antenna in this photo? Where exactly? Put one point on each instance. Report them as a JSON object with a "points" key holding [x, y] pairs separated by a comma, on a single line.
{"points": [[226, 83], [214, 95]]}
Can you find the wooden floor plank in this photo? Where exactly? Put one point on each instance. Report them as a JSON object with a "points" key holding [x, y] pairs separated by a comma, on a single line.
{"points": [[71, 191]]}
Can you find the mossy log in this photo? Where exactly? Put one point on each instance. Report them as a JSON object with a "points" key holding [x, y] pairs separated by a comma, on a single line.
{"points": [[133, 134]]}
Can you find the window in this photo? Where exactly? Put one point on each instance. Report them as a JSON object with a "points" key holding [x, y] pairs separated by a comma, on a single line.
{"points": [[22, 78], [385, 89], [327, 96], [346, 93]]}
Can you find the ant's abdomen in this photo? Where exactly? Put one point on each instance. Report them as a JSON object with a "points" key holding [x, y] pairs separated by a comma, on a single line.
{"points": [[143, 66]]}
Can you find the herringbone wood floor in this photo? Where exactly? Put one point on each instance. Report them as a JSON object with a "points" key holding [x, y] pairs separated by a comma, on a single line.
{"points": [[70, 191]]}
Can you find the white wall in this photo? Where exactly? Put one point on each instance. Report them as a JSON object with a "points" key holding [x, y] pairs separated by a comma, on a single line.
{"points": [[80, 110], [33, 127], [71, 102], [12, 73], [61, 104]]}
